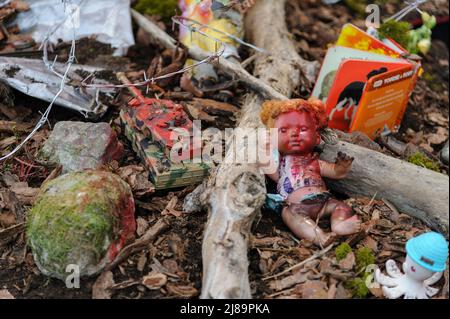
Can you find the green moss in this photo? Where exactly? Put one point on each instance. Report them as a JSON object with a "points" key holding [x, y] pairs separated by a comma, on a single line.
{"points": [[342, 251], [57, 232], [420, 159], [358, 286], [397, 31], [364, 257], [165, 9]]}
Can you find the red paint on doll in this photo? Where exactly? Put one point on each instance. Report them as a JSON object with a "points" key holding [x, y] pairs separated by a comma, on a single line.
{"points": [[297, 133]]}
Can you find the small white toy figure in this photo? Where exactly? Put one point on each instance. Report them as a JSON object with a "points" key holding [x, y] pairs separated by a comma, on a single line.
{"points": [[424, 265]]}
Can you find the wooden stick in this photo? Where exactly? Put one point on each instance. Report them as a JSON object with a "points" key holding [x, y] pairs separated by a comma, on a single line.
{"points": [[316, 255], [140, 244]]}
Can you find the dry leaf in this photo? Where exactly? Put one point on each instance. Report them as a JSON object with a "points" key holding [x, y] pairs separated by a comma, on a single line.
{"points": [[437, 118], [377, 292], [142, 262], [439, 137], [154, 281], [7, 219], [137, 177], [289, 281], [5, 294], [172, 266], [24, 193], [182, 291], [313, 289], [141, 226], [348, 262], [170, 208], [342, 293], [102, 286], [371, 243]]}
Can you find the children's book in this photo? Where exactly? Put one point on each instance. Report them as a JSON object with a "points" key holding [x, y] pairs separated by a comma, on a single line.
{"points": [[365, 83]]}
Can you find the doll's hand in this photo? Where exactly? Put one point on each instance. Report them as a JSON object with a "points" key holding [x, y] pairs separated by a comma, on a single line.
{"points": [[343, 164]]}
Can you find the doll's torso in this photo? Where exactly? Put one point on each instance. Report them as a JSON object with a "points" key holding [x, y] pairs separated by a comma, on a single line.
{"points": [[300, 177]]}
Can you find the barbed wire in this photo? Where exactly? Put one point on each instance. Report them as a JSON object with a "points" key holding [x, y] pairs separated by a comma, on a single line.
{"points": [[70, 61], [410, 7], [191, 27]]}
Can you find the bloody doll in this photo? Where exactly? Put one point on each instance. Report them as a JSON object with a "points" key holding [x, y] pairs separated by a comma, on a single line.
{"points": [[300, 171]]}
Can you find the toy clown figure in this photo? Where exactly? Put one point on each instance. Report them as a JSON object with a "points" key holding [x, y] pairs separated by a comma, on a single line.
{"points": [[225, 16], [299, 171]]}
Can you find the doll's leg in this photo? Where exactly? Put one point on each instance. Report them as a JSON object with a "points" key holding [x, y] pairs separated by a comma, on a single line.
{"points": [[304, 227], [343, 221]]}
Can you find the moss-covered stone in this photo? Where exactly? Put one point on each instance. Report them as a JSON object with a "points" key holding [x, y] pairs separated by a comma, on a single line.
{"points": [[82, 219], [420, 159]]}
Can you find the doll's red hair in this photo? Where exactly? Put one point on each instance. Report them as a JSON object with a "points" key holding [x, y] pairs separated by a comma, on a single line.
{"points": [[272, 109]]}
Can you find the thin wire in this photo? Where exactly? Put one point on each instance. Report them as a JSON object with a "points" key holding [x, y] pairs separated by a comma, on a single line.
{"points": [[72, 58], [179, 20], [195, 22], [411, 6], [4, 3], [44, 118]]}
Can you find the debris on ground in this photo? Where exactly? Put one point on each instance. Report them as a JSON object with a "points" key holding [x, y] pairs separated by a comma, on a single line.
{"points": [[32, 78], [45, 14]]}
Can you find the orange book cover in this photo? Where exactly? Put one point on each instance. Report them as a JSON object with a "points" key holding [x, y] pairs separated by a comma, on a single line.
{"points": [[346, 97], [384, 101]]}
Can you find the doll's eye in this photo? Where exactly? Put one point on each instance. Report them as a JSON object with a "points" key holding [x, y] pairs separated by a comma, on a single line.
{"points": [[304, 129], [283, 130]]}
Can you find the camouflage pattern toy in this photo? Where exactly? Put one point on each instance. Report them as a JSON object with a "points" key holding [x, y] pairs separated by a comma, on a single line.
{"points": [[164, 174]]}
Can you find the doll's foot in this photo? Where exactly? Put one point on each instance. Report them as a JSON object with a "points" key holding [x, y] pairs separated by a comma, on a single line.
{"points": [[346, 227]]}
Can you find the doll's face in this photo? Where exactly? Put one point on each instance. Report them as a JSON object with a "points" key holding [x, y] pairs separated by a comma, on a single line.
{"points": [[297, 133]]}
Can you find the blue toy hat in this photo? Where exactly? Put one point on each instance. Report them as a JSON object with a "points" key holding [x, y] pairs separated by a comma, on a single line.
{"points": [[429, 250]]}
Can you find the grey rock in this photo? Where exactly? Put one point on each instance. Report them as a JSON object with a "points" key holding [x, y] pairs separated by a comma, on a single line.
{"points": [[78, 146]]}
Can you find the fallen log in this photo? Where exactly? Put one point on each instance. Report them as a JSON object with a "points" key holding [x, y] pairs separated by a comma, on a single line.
{"points": [[414, 190]]}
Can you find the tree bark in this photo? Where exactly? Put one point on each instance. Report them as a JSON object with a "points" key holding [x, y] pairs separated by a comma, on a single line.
{"points": [[417, 191], [237, 191]]}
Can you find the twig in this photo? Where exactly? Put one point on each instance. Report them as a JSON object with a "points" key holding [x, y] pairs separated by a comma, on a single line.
{"points": [[391, 206], [140, 244], [316, 255], [281, 293]]}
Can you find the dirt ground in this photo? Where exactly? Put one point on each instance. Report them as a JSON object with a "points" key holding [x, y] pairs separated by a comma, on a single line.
{"points": [[176, 253]]}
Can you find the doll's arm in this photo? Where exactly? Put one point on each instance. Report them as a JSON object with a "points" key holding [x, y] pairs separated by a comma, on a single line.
{"points": [[337, 170]]}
